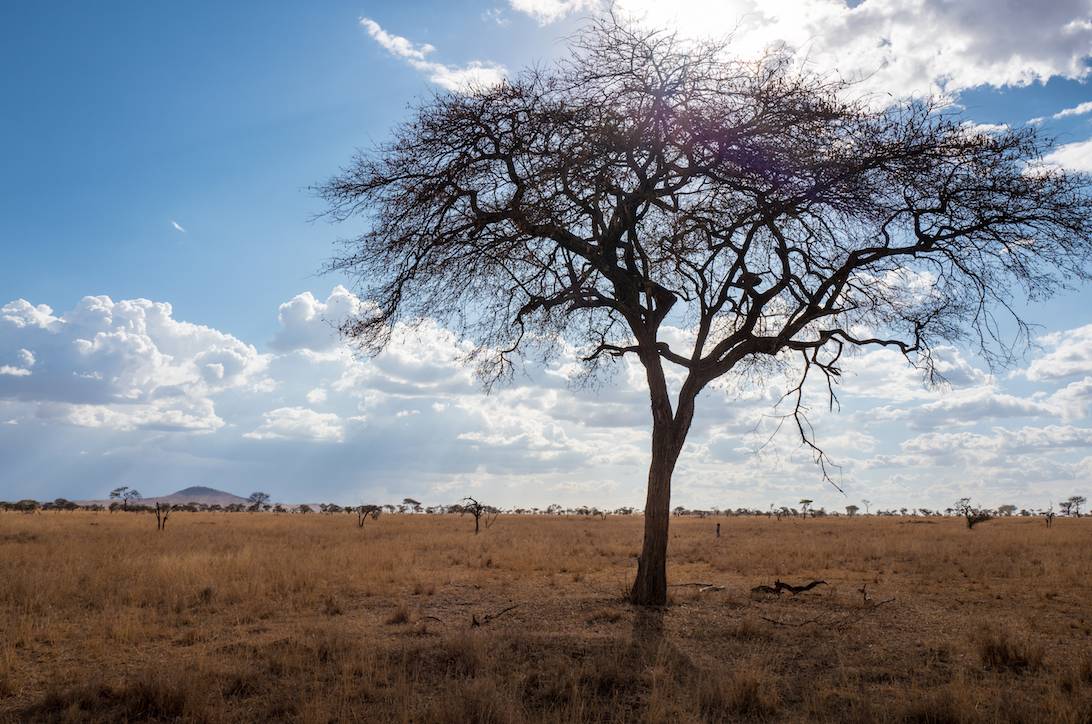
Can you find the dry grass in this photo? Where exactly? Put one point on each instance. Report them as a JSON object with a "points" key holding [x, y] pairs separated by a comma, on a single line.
{"points": [[256, 617]]}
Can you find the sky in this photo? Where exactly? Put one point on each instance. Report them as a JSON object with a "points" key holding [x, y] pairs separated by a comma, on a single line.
{"points": [[164, 321]]}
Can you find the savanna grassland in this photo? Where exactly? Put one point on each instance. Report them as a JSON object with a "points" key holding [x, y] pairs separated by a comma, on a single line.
{"points": [[263, 617]]}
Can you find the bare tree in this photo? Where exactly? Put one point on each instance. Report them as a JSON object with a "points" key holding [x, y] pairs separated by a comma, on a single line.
{"points": [[162, 511], [647, 179], [478, 510]]}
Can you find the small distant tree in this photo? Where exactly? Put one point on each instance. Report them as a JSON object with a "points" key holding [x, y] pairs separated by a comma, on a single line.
{"points": [[1006, 509], [851, 510], [162, 511], [804, 505], [1075, 503], [126, 495], [26, 505], [971, 513], [478, 510], [304, 509], [1066, 506], [410, 502], [363, 512], [867, 504], [257, 500]]}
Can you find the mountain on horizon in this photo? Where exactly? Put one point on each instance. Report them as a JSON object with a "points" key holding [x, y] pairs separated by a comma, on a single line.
{"points": [[199, 494], [193, 494]]}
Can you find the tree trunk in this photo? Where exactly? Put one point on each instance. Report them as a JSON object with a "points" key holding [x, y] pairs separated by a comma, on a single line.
{"points": [[650, 588], [668, 436]]}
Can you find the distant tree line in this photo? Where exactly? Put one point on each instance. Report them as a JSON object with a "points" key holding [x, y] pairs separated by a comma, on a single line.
{"points": [[129, 500]]}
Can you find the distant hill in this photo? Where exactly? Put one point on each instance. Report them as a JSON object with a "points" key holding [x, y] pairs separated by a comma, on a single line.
{"points": [[199, 494], [194, 494]]}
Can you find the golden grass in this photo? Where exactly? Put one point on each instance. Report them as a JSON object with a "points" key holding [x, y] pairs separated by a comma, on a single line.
{"points": [[260, 617]]}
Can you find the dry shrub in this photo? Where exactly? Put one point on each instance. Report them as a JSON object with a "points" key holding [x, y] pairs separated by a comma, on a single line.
{"points": [[6, 687], [748, 629], [400, 615], [205, 596], [951, 704], [748, 693], [605, 615], [148, 699], [456, 657], [1077, 677], [330, 607], [1002, 649], [479, 701]]}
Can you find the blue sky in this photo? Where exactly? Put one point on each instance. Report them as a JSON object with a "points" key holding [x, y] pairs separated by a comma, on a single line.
{"points": [[163, 152]]}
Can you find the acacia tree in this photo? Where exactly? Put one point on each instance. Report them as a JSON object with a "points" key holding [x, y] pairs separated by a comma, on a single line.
{"points": [[125, 494], [646, 181], [476, 509], [257, 500]]}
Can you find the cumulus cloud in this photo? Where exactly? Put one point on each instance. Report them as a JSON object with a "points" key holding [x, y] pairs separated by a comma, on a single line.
{"points": [[548, 11], [458, 79], [129, 385], [299, 423], [309, 324], [1069, 354], [970, 407], [893, 46], [1072, 156], [121, 365], [1025, 439]]}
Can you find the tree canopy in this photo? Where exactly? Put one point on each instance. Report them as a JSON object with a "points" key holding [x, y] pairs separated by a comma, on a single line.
{"points": [[763, 209]]}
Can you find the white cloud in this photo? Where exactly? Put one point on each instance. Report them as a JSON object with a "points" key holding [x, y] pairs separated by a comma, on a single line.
{"points": [[458, 79], [1025, 439], [894, 46], [988, 129], [1072, 156], [395, 44], [177, 226], [1078, 110], [299, 423], [130, 384], [307, 323], [122, 365], [548, 11], [968, 407], [1069, 355]]}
